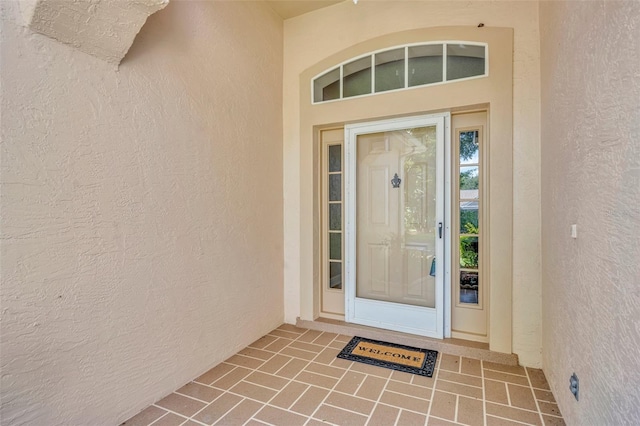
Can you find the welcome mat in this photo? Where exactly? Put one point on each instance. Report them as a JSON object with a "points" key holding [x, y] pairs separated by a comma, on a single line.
{"points": [[390, 355]]}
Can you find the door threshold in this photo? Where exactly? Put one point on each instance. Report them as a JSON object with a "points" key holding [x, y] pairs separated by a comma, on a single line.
{"points": [[457, 347]]}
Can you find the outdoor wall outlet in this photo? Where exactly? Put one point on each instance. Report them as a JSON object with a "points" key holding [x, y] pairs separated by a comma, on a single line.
{"points": [[574, 231], [574, 385]]}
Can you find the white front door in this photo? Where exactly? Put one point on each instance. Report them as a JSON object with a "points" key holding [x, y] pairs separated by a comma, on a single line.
{"points": [[394, 210]]}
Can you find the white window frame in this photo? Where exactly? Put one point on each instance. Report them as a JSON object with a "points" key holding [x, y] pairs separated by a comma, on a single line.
{"points": [[372, 54]]}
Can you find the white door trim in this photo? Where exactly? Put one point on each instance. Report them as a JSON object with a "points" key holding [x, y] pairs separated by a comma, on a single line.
{"points": [[442, 312], [447, 224]]}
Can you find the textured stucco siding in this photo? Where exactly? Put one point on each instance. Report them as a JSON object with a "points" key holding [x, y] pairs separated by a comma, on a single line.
{"points": [[331, 30], [591, 177], [141, 230], [102, 28]]}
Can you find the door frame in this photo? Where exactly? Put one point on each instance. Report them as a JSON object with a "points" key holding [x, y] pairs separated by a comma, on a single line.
{"points": [[494, 92], [443, 191]]}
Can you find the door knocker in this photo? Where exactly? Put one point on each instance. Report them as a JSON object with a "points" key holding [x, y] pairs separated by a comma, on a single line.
{"points": [[395, 182]]}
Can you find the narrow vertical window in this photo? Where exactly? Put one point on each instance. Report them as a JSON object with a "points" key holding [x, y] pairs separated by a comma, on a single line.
{"points": [[334, 213], [332, 228], [469, 213]]}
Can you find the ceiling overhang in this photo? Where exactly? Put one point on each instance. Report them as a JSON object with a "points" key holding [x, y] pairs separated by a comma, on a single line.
{"points": [[292, 8]]}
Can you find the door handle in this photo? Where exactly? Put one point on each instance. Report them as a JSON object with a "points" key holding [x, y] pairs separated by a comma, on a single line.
{"points": [[440, 229]]}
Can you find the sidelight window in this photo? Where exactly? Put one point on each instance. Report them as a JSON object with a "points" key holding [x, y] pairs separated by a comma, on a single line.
{"points": [[334, 215], [469, 214]]}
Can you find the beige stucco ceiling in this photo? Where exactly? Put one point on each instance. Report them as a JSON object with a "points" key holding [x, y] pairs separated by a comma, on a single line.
{"points": [[291, 8]]}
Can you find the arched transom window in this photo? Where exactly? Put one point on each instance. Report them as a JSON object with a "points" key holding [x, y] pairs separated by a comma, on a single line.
{"points": [[400, 68]]}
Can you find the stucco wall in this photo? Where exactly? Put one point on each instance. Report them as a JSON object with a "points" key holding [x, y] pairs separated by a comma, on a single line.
{"points": [[331, 30], [591, 177], [141, 210]]}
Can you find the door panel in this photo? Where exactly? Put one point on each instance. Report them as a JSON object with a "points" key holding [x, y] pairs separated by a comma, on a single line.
{"points": [[394, 200], [420, 286], [377, 210], [376, 272]]}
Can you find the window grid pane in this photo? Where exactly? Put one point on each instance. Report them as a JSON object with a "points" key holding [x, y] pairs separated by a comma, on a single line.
{"points": [[335, 275], [335, 246], [389, 72], [465, 61], [335, 216], [425, 64], [469, 287], [335, 187], [327, 86], [469, 148], [356, 78], [335, 158]]}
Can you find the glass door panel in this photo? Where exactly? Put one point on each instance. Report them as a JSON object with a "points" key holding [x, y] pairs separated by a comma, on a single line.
{"points": [[394, 200], [395, 232]]}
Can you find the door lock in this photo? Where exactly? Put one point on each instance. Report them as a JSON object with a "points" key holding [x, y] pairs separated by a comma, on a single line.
{"points": [[439, 229]]}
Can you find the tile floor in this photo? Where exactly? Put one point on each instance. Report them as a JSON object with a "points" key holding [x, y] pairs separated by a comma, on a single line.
{"points": [[292, 377]]}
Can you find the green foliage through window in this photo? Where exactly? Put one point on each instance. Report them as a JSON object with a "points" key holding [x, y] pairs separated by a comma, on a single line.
{"points": [[468, 144], [469, 252], [469, 179], [468, 218]]}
